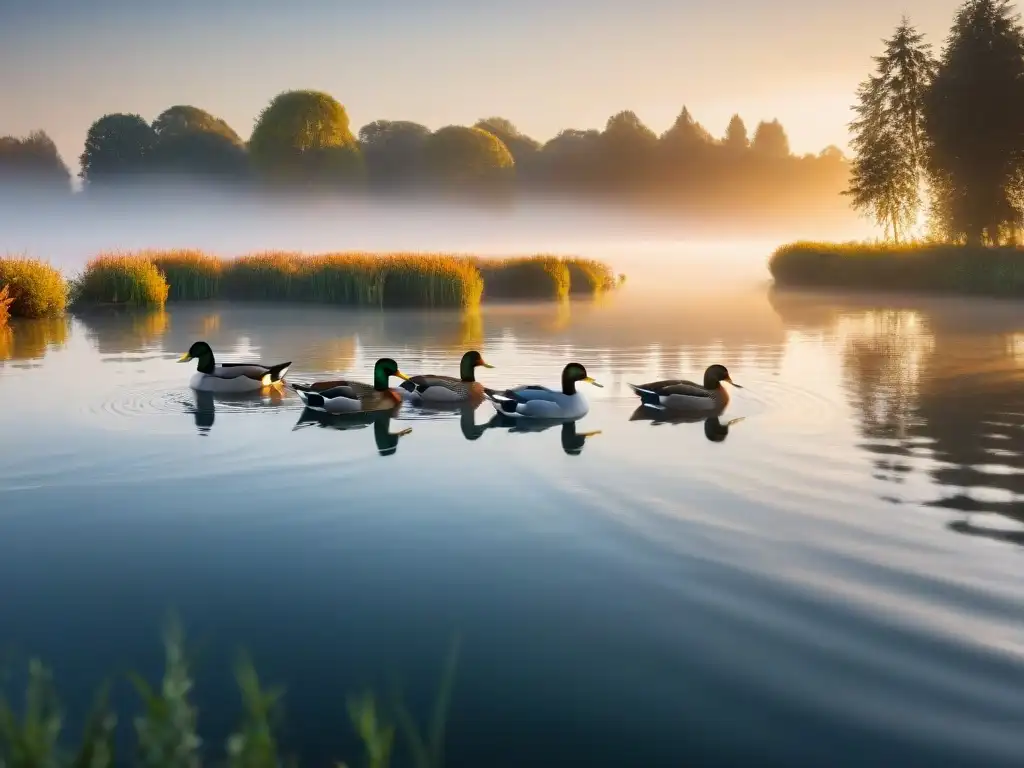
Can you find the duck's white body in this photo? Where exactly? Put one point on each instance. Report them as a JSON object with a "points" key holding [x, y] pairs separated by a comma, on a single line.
{"points": [[229, 379], [537, 402]]}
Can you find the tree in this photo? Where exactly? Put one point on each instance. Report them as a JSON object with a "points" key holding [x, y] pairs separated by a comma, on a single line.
{"points": [[736, 137], [974, 119], [393, 150], [627, 150], [770, 139], [193, 142], [888, 133], [117, 146], [304, 137], [33, 160], [471, 158], [571, 160], [525, 150]]}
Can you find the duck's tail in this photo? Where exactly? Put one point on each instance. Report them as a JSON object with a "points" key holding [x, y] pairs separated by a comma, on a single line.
{"points": [[308, 397], [501, 401], [278, 371], [647, 396]]}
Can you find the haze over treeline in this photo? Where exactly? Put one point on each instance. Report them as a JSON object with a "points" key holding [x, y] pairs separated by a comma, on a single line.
{"points": [[303, 146]]}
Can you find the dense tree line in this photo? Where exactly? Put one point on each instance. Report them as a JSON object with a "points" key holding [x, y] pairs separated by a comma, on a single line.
{"points": [[945, 134], [303, 140]]}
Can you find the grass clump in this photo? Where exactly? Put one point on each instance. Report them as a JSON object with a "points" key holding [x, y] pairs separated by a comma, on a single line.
{"points": [[191, 275], [993, 271], [589, 276], [166, 729], [529, 277], [33, 288], [120, 279]]}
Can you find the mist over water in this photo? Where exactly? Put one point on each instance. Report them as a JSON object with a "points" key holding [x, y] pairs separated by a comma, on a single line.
{"points": [[68, 230]]}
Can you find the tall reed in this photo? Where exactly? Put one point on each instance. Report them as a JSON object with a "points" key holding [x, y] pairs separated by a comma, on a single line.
{"points": [[34, 288], [912, 266], [589, 276], [191, 275], [5, 305], [529, 277], [121, 280]]}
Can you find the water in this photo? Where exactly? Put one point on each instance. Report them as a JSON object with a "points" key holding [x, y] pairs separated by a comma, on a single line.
{"points": [[835, 581]]}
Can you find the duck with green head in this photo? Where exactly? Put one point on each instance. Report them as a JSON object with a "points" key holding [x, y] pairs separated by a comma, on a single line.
{"points": [[230, 377], [535, 401], [347, 396], [683, 395], [436, 388]]}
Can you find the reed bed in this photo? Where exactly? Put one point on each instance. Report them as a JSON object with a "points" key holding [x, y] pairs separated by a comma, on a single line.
{"points": [[530, 277], [590, 276], [191, 275], [120, 279], [5, 305], [33, 288], [166, 729], [910, 267]]}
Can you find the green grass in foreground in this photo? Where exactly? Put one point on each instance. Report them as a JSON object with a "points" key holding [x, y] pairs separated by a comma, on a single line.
{"points": [[34, 288], [120, 280], [910, 267], [165, 729]]}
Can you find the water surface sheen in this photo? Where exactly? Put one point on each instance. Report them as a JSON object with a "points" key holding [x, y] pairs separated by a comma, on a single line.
{"points": [[834, 580]]}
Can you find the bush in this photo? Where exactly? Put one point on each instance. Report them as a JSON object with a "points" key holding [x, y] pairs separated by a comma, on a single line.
{"points": [[531, 277], [34, 288], [121, 279], [914, 266], [190, 275]]}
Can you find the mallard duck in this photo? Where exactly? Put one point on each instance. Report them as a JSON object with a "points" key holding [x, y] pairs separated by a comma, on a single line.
{"points": [[447, 389], [230, 377], [682, 395], [538, 402], [346, 396]]}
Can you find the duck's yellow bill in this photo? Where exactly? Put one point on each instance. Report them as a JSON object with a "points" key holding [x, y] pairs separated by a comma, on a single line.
{"points": [[401, 375], [185, 358], [486, 365], [591, 381], [733, 382]]}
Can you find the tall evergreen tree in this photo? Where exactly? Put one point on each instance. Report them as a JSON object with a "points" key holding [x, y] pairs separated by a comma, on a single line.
{"points": [[888, 133], [974, 116]]}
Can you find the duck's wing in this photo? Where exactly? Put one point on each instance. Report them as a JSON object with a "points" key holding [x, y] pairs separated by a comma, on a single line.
{"points": [[531, 400], [235, 370], [421, 382]]}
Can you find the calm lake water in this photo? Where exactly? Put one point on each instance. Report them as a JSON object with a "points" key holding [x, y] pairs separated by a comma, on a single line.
{"points": [[837, 580]]}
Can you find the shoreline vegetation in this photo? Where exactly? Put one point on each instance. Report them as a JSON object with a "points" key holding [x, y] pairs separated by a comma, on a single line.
{"points": [[927, 267], [145, 279], [166, 733]]}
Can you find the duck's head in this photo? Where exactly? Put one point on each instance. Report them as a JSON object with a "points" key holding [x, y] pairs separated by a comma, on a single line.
{"points": [[470, 362], [715, 375], [200, 351], [383, 370], [572, 374]]}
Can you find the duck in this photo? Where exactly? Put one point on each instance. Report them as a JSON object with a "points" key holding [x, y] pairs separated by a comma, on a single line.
{"points": [[230, 377], [347, 396], [683, 395], [436, 388], [534, 401]]}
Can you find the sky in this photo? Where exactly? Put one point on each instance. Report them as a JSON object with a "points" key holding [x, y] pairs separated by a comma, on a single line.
{"points": [[545, 65]]}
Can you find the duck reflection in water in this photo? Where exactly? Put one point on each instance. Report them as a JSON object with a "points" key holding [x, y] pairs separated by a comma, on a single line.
{"points": [[386, 440], [572, 439], [714, 429], [1009, 535], [205, 405]]}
